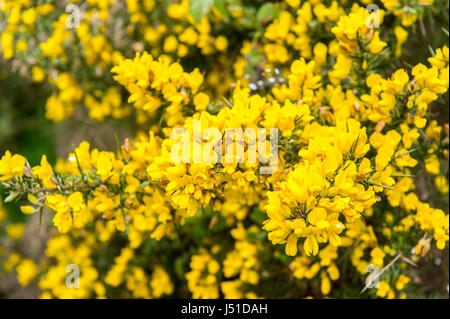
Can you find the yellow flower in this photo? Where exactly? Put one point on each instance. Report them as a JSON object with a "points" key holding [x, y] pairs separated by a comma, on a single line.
{"points": [[13, 260], [21, 45], [104, 165], [178, 10], [11, 166], [221, 43], [377, 255], [44, 172], [201, 101], [29, 16], [291, 246], [401, 36], [170, 44], [384, 290], [27, 209], [320, 52], [311, 246], [376, 45], [38, 74], [15, 231], [7, 43], [441, 184], [325, 286], [161, 283], [26, 271], [189, 36], [293, 3], [440, 60], [401, 282], [76, 202]]}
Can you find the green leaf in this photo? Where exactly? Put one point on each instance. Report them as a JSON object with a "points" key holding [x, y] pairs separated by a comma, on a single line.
{"points": [[267, 11], [40, 216], [11, 197], [258, 216], [220, 225], [144, 184], [220, 6], [198, 8], [254, 56], [248, 69], [285, 259], [180, 266]]}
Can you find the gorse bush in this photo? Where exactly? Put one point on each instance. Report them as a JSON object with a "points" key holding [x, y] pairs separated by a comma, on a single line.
{"points": [[357, 107]]}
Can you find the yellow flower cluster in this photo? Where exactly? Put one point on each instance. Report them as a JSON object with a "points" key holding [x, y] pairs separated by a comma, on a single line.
{"points": [[158, 84], [328, 183], [302, 267], [202, 279], [242, 261]]}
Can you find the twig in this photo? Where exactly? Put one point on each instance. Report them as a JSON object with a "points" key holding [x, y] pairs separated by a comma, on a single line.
{"points": [[381, 272], [78, 163], [409, 261], [69, 187], [379, 185]]}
